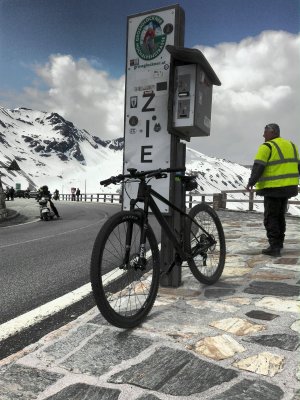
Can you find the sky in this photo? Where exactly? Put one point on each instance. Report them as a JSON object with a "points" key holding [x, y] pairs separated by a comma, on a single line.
{"points": [[68, 56]]}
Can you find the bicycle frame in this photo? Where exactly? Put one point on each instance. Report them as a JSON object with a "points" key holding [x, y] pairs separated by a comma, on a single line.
{"points": [[145, 195]]}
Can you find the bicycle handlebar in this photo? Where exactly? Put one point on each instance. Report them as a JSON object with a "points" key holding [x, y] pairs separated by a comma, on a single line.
{"points": [[133, 173]]}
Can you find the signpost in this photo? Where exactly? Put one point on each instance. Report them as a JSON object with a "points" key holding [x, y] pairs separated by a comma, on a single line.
{"points": [[168, 97], [147, 140], [12, 167]]}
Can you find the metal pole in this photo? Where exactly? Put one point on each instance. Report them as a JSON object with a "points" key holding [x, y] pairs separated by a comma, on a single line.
{"points": [[175, 220], [177, 194]]}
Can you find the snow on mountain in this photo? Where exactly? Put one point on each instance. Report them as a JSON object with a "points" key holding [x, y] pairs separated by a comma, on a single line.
{"points": [[52, 151]]}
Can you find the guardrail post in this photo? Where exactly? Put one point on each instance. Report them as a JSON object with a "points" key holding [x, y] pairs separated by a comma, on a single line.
{"points": [[224, 199], [190, 200], [219, 200], [251, 197]]}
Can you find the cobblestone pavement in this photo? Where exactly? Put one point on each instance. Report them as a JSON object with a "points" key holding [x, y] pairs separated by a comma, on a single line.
{"points": [[238, 339]]}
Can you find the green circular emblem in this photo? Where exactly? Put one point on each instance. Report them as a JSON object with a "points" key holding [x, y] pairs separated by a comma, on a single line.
{"points": [[149, 38]]}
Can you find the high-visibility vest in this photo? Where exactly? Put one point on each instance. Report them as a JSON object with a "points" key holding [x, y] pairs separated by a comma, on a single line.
{"points": [[280, 158]]}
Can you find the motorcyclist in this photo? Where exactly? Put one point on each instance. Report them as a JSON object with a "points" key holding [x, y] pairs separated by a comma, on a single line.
{"points": [[44, 192]]}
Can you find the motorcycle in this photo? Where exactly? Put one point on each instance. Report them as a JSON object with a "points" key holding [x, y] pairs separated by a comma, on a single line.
{"points": [[45, 212]]}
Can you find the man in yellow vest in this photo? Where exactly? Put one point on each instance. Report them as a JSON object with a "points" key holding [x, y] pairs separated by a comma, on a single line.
{"points": [[275, 174]]}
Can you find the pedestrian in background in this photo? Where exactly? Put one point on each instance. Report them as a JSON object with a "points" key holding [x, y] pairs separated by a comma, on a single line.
{"points": [[12, 193], [56, 194], [77, 194], [275, 174], [73, 191], [7, 193]]}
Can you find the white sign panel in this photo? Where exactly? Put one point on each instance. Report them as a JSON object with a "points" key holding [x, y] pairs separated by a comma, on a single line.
{"points": [[147, 141]]}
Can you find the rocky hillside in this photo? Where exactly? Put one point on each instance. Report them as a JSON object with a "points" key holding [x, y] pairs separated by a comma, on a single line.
{"points": [[50, 149]]}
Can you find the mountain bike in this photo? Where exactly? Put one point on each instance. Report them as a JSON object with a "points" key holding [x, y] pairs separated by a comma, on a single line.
{"points": [[125, 263]]}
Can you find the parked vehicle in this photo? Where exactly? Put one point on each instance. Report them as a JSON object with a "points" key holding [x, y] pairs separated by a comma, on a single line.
{"points": [[22, 193], [33, 194]]}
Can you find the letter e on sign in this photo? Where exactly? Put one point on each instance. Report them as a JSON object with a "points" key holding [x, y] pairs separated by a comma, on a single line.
{"points": [[145, 153]]}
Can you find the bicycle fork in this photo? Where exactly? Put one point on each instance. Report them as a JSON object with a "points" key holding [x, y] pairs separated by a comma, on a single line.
{"points": [[138, 260]]}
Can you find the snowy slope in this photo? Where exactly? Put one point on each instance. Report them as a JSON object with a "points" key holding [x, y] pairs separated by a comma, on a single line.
{"points": [[52, 151]]}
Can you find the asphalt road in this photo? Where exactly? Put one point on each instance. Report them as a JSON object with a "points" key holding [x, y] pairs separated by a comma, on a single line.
{"points": [[42, 261]]}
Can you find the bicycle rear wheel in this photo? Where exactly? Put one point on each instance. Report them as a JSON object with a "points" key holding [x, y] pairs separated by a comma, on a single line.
{"points": [[207, 253], [124, 290]]}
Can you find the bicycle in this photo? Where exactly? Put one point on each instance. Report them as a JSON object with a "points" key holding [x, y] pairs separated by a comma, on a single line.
{"points": [[125, 262]]}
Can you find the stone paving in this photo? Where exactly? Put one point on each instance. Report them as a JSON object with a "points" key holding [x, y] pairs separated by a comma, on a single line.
{"points": [[236, 340]]}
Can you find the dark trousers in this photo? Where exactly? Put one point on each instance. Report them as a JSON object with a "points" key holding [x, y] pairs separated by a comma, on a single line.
{"points": [[53, 208], [274, 219]]}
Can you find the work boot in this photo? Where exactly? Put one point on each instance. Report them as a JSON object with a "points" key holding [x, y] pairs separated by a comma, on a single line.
{"points": [[271, 251]]}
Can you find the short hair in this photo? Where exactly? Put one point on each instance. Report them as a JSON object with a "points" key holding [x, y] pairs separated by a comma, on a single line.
{"points": [[274, 127]]}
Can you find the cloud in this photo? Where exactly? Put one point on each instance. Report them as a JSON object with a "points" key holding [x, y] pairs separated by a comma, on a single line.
{"points": [[82, 94], [260, 84]]}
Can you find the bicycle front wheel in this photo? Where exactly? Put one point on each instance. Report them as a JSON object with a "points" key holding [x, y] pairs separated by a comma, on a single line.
{"points": [[206, 247], [124, 288]]}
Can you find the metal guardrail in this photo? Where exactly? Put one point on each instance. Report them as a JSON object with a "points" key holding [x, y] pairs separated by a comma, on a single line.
{"points": [[116, 198], [98, 197], [217, 200], [220, 200]]}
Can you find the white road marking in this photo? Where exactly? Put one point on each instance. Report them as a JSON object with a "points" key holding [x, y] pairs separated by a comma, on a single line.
{"points": [[32, 317], [23, 223], [51, 236]]}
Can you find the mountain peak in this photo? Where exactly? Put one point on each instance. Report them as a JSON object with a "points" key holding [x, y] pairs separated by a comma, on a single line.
{"points": [[47, 144]]}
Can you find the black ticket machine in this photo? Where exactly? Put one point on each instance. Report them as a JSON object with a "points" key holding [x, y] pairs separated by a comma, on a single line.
{"points": [[191, 97]]}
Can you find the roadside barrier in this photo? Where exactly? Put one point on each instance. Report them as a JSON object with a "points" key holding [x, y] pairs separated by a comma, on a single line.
{"points": [[97, 197], [216, 200]]}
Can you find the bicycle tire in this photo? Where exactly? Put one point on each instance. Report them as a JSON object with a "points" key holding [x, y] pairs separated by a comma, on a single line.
{"points": [[209, 271], [124, 296]]}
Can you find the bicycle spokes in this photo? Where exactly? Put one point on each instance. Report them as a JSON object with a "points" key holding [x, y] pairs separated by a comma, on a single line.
{"points": [[125, 273], [205, 244]]}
